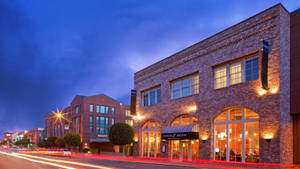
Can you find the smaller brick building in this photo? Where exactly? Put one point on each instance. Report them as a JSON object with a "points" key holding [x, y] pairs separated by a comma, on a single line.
{"points": [[35, 135], [8, 138], [90, 117]]}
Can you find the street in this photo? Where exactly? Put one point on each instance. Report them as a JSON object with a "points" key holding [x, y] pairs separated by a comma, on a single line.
{"points": [[11, 160]]}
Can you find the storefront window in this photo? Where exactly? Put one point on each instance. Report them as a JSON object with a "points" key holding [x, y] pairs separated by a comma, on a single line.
{"points": [[236, 135], [151, 139]]}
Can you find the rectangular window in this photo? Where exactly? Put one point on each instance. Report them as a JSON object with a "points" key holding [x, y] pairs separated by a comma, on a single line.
{"points": [[91, 108], [151, 97], [220, 78], [129, 122], [158, 95], [112, 110], [185, 87], [102, 109], [251, 68], [236, 73], [145, 99], [76, 109], [112, 121], [102, 125], [76, 125], [127, 113], [98, 109], [91, 124]]}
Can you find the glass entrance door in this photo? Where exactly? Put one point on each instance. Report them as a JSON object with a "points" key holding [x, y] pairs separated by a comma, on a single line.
{"points": [[175, 150], [185, 149], [235, 142]]}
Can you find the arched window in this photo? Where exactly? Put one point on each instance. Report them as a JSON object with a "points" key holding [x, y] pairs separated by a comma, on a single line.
{"points": [[151, 139], [184, 120], [236, 135]]}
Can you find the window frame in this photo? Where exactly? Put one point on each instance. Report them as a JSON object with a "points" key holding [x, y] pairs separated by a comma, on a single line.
{"points": [[227, 67], [147, 93], [91, 108], [191, 86]]}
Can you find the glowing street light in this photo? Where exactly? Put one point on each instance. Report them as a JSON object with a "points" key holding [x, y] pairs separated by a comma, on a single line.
{"points": [[59, 115]]}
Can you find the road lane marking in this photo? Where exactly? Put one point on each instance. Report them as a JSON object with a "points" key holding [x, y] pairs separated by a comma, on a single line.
{"points": [[37, 161], [66, 161]]}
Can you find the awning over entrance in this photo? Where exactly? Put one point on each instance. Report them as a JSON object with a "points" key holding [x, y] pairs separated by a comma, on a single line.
{"points": [[99, 139], [181, 132]]}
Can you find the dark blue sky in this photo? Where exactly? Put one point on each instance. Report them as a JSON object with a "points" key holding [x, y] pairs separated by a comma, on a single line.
{"points": [[52, 50]]}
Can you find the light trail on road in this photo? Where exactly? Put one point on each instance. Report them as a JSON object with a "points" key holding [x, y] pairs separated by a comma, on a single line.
{"points": [[66, 161], [37, 161]]}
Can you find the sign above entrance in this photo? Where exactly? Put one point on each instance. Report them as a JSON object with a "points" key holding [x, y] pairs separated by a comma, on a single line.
{"points": [[180, 136]]}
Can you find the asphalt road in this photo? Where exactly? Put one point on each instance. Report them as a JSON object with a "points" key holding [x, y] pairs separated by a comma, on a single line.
{"points": [[10, 160]]}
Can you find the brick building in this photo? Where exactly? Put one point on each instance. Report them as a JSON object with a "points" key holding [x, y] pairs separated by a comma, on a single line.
{"points": [[224, 98], [35, 135], [295, 81], [8, 138], [90, 117]]}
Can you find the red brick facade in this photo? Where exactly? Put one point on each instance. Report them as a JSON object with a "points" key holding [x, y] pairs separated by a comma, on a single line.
{"points": [[240, 41], [57, 128], [295, 81]]}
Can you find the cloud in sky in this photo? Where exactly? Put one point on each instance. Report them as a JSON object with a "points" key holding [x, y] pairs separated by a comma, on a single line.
{"points": [[52, 50]]}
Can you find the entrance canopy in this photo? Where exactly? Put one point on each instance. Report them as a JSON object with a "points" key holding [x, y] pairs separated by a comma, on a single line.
{"points": [[99, 140], [189, 132]]}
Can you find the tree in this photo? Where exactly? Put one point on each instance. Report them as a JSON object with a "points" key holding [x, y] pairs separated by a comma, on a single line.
{"points": [[42, 143], [60, 142], [72, 140], [121, 134], [51, 142], [95, 145]]}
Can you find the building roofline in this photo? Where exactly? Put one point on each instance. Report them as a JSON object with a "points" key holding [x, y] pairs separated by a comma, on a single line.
{"points": [[100, 95], [210, 37]]}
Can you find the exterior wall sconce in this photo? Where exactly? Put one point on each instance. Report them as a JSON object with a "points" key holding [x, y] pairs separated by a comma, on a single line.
{"points": [[268, 140], [135, 139], [137, 117], [204, 138], [268, 137]]}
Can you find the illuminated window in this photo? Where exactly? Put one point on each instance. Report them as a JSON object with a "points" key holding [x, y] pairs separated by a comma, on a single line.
{"points": [[151, 139], [112, 110], [91, 108], [91, 124], [77, 125], [127, 113], [242, 71], [129, 122], [220, 78], [102, 125], [184, 120], [235, 73], [151, 97], [112, 121], [236, 135], [185, 87], [102, 109]]}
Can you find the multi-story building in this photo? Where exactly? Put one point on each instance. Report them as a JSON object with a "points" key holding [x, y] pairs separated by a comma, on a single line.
{"points": [[295, 81], [90, 117], [35, 135], [224, 98], [8, 138]]}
